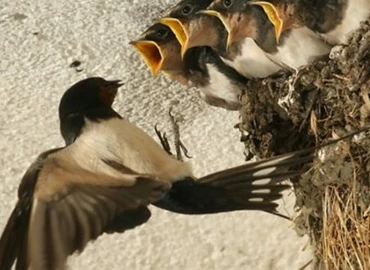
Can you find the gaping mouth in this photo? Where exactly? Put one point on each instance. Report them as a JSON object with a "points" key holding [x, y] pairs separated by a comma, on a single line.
{"points": [[273, 15], [151, 53], [180, 31]]}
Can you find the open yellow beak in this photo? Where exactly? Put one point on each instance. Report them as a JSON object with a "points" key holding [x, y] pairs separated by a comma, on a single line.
{"points": [[179, 30], [151, 53], [217, 14], [273, 15]]}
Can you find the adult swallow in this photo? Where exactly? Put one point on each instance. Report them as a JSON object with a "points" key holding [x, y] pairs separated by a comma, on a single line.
{"points": [[106, 176], [335, 20], [70, 195], [220, 85], [108, 173], [252, 19], [194, 29]]}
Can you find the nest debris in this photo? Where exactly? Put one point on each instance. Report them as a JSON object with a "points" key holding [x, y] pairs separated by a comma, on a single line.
{"points": [[326, 99]]}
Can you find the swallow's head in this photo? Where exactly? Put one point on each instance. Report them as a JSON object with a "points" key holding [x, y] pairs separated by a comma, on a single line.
{"points": [[90, 98], [187, 9], [88, 94], [190, 27], [276, 16], [227, 6], [159, 49], [237, 16], [225, 10]]}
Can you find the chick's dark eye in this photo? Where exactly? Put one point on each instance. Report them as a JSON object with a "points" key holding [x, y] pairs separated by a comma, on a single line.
{"points": [[161, 33], [186, 10], [228, 3]]}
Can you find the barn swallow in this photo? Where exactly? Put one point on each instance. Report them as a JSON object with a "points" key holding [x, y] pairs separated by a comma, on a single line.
{"points": [[248, 19], [109, 172], [335, 20], [194, 29], [160, 50], [219, 84], [190, 27], [106, 176], [339, 19], [70, 195], [282, 21]]}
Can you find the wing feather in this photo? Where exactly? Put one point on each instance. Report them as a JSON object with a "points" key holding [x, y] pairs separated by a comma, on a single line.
{"points": [[64, 225], [69, 206]]}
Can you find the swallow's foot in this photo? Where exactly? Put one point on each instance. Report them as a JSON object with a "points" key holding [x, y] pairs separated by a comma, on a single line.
{"points": [[164, 141], [179, 146]]}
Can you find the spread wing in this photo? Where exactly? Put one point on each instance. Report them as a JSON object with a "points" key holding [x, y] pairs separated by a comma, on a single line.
{"points": [[71, 206]]}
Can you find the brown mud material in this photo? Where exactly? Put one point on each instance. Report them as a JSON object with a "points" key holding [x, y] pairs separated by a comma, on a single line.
{"points": [[325, 100]]}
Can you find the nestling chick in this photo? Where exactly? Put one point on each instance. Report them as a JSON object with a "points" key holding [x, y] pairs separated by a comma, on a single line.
{"points": [[194, 29], [219, 84], [245, 19], [335, 20]]}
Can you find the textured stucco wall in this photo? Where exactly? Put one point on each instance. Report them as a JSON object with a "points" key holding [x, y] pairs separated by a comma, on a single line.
{"points": [[34, 73]]}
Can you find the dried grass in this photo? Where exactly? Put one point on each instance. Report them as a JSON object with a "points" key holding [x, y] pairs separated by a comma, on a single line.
{"points": [[345, 239]]}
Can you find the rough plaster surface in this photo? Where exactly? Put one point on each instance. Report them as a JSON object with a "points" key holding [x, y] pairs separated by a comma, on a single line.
{"points": [[34, 73]]}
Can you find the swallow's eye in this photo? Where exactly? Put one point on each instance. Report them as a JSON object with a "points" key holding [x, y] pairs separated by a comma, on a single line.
{"points": [[228, 3], [162, 33], [186, 10]]}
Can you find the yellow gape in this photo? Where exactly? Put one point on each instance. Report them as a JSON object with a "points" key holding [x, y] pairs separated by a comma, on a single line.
{"points": [[151, 54], [178, 29], [273, 15]]}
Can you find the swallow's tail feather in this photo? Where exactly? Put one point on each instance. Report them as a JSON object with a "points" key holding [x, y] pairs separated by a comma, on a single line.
{"points": [[254, 186]]}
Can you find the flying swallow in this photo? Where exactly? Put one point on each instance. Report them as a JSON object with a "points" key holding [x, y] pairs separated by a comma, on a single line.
{"points": [[106, 176], [71, 195]]}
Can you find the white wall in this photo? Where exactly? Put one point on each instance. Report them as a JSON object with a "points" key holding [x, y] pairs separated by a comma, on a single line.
{"points": [[34, 73]]}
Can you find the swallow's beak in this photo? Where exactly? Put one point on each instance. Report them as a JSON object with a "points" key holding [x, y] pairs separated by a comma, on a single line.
{"points": [[180, 31], [115, 84], [273, 14], [151, 53], [109, 91], [224, 21]]}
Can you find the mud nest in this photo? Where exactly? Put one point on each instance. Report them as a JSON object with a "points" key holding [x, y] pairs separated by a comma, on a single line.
{"points": [[322, 101]]}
